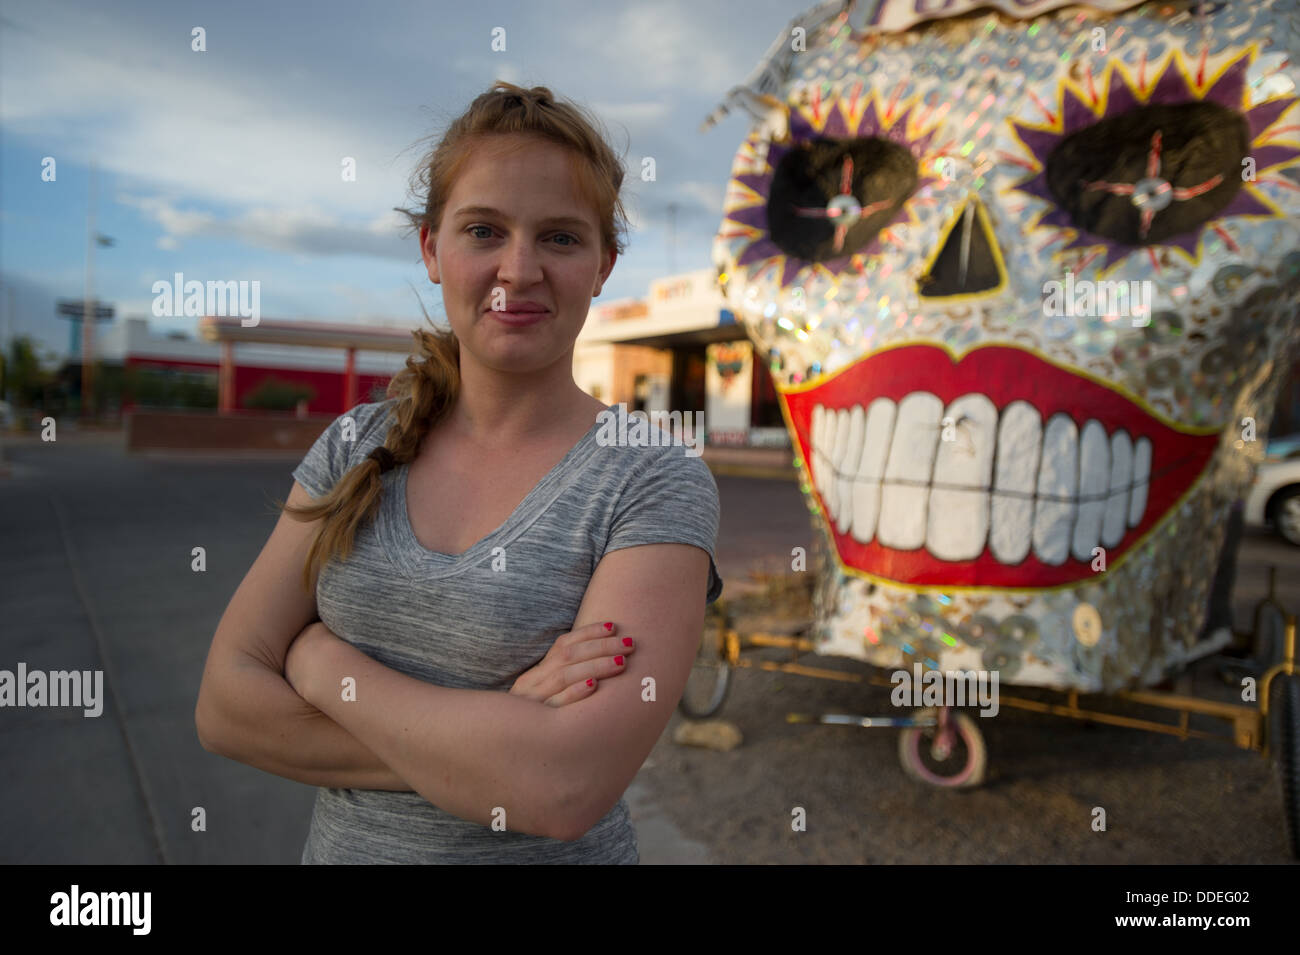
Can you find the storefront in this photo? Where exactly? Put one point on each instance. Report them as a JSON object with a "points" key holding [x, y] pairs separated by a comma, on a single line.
{"points": [[680, 349]]}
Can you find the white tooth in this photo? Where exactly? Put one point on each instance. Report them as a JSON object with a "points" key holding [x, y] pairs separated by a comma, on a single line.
{"points": [[876, 438], [1020, 441], [1137, 504], [840, 439], [815, 436], [820, 464], [849, 468], [1058, 477], [958, 521], [1094, 482], [907, 472], [1121, 475], [827, 482]]}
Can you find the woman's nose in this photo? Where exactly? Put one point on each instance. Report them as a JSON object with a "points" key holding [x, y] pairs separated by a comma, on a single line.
{"points": [[520, 265]]}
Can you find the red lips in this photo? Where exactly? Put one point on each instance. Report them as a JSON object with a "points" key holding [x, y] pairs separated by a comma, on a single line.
{"points": [[521, 307], [1003, 374]]}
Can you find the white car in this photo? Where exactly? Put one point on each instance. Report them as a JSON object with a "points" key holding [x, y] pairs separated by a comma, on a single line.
{"points": [[1274, 498]]}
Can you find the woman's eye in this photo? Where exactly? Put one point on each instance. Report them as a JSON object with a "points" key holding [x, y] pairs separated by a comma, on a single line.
{"points": [[483, 227], [573, 239]]}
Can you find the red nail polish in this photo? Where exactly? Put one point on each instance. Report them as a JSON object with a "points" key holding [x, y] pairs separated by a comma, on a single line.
{"points": [[588, 683], [619, 660], [627, 641], [609, 626]]}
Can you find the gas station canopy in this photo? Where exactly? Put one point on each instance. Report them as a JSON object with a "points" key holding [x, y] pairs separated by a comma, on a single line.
{"points": [[231, 329]]}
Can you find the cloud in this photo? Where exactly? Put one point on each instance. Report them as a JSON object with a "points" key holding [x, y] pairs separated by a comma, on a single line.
{"points": [[707, 195], [639, 118], [674, 45], [195, 124], [304, 230]]}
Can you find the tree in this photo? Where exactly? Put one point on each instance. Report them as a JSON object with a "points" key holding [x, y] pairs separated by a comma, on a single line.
{"points": [[25, 375], [276, 394]]}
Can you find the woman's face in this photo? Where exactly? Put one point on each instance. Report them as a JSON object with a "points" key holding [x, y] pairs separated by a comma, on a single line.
{"points": [[516, 235]]}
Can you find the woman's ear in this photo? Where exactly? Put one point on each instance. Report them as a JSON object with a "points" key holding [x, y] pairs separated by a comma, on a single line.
{"points": [[604, 272], [429, 251]]}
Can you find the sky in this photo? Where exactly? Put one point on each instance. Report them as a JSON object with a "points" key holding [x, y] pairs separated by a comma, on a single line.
{"points": [[225, 164]]}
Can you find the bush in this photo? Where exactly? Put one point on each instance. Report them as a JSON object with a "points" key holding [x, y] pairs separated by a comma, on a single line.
{"points": [[276, 394], [169, 388]]}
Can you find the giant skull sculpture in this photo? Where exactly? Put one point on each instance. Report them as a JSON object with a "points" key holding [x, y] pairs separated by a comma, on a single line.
{"points": [[1019, 463]]}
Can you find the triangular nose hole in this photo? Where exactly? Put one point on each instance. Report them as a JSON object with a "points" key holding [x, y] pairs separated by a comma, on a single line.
{"points": [[968, 262]]}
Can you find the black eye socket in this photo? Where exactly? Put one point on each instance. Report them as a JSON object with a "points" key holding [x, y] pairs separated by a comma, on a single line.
{"points": [[882, 176], [1198, 153]]}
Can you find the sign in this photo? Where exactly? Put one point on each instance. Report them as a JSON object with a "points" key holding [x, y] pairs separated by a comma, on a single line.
{"points": [[769, 438], [728, 383], [77, 310]]}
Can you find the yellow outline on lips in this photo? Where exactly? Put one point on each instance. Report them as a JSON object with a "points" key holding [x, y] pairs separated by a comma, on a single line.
{"points": [[1249, 51], [848, 571], [982, 213]]}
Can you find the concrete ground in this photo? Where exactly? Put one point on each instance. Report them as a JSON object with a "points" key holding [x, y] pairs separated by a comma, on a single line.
{"points": [[95, 563]]}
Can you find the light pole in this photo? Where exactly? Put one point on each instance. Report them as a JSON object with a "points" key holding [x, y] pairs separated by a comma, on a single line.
{"points": [[4, 342], [93, 239]]}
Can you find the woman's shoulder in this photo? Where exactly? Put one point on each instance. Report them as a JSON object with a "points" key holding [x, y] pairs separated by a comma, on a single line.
{"points": [[366, 420], [639, 466], [653, 442], [355, 432], [370, 412]]}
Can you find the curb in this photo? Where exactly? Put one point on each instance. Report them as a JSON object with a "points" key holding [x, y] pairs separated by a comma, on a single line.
{"points": [[728, 469]]}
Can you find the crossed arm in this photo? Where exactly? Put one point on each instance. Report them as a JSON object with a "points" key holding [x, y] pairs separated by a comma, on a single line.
{"points": [[555, 771]]}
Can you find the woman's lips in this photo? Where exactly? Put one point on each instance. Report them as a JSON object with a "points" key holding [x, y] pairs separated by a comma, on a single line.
{"points": [[1041, 466], [517, 319]]}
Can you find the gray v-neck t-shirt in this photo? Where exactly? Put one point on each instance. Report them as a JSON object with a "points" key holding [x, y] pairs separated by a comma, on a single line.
{"points": [[455, 621]]}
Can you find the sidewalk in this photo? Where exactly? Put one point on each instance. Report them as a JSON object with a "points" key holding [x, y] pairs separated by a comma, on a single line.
{"points": [[774, 463]]}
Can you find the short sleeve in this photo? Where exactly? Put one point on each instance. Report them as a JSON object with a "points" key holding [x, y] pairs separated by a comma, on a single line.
{"points": [[336, 451], [674, 500]]}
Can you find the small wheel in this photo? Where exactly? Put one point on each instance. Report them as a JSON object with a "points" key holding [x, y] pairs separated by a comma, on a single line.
{"points": [[1286, 516], [951, 754], [710, 676], [1270, 633], [1287, 690]]}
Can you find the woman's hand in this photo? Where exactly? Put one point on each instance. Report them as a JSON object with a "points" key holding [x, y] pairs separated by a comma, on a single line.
{"points": [[575, 664], [305, 649]]}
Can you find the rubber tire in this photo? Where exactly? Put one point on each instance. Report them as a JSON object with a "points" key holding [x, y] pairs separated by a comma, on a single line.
{"points": [[722, 684], [1287, 703], [1269, 635], [1287, 498], [971, 773]]}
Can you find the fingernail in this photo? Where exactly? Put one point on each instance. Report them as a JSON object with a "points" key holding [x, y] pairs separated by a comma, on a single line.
{"points": [[627, 641], [589, 683], [609, 626], [619, 660]]}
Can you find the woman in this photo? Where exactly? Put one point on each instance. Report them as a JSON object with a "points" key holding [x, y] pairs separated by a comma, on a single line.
{"points": [[471, 525]]}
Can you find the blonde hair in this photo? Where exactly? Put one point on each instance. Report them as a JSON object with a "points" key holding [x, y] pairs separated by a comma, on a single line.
{"points": [[430, 383]]}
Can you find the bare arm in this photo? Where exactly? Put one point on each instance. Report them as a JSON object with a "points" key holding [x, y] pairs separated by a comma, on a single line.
{"points": [[555, 772], [246, 711]]}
